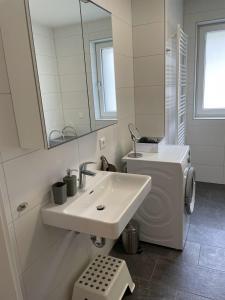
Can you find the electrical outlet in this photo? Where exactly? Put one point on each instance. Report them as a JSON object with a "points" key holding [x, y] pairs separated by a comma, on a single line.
{"points": [[102, 143]]}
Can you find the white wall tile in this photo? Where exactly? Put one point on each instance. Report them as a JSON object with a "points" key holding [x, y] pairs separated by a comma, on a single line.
{"points": [[207, 155], [48, 77], [149, 64], [47, 65], [29, 177], [100, 26], [23, 288], [125, 102], [174, 15], [203, 132], [149, 100], [69, 46], [62, 262], [49, 83], [122, 9], [211, 174], [33, 237], [71, 65], [122, 37], [62, 291], [109, 151], [73, 83], [88, 148], [44, 46], [13, 244], [191, 59], [54, 119], [4, 84], [147, 11], [67, 31], [122, 135], [4, 193], [148, 39], [124, 71], [8, 129], [42, 30], [14, 152], [74, 99], [76, 117], [150, 125], [51, 101], [193, 6], [149, 70]]}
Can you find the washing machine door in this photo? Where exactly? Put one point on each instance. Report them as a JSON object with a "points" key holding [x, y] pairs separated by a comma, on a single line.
{"points": [[190, 190]]}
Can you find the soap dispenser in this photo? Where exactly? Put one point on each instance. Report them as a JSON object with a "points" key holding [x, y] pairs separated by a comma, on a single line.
{"points": [[71, 182]]}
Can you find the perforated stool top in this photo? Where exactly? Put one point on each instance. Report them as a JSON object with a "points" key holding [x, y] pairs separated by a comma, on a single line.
{"points": [[106, 277]]}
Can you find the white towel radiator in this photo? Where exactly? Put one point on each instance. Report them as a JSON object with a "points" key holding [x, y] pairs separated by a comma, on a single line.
{"points": [[182, 44]]}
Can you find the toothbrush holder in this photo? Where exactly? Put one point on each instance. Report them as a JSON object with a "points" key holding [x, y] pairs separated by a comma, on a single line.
{"points": [[59, 190]]}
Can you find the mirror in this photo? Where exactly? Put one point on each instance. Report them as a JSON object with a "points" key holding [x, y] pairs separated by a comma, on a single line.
{"points": [[134, 132], [74, 67], [99, 57], [135, 136], [58, 50]]}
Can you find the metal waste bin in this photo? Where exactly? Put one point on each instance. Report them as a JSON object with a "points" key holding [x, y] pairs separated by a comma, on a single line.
{"points": [[130, 238]]}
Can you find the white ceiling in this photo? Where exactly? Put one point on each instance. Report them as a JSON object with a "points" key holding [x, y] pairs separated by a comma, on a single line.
{"points": [[57, 13]]}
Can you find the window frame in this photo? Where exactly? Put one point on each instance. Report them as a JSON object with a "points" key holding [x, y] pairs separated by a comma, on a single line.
{"points": [[201, 29], [96, 63], [99, 47]]}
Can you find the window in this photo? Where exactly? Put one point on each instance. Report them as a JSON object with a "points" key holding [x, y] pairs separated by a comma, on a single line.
{"points": [[103, 75], [210, 85]]}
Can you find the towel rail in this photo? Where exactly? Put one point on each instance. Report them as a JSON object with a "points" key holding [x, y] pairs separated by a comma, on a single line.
{"points": [[182, 43]]}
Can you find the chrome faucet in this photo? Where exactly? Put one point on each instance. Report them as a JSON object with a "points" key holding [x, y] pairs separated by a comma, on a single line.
{"points": [[83, 172]]}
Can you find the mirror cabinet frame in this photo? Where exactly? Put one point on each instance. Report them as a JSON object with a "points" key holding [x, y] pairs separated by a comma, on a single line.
{"points": [[23, 74]]}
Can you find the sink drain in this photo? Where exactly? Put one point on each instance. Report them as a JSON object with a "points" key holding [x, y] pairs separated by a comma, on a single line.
{"points": [[100, 207]]}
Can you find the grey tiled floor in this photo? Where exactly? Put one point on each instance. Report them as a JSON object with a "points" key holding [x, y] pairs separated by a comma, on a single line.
{"points": [[197, 273]]}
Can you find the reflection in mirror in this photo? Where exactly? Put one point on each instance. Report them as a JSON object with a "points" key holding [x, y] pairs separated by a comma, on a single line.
{"points": [[58, 48], [99, 57]]}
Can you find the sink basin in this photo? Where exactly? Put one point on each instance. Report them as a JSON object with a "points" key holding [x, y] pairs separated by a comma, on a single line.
{"points": [[104, 209]]}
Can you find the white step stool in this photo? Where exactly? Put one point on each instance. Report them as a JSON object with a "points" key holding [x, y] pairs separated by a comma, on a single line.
{"points": [[106, 278]]}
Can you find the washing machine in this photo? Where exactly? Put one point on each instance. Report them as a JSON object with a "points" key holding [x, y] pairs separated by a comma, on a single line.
{"points": [[164, 215]]}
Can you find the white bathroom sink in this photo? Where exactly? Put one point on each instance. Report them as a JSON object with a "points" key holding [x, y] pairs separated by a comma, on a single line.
{"points": [[118, 195]]}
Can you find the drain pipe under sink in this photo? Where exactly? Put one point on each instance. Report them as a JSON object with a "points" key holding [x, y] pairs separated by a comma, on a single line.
{"points": [[99, 242]]}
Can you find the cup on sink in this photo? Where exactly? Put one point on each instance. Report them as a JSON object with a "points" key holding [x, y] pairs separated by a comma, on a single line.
{"points": [[59, 190]]}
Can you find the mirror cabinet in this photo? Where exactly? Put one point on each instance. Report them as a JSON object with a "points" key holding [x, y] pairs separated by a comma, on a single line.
{"points": [[62, 70]]}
